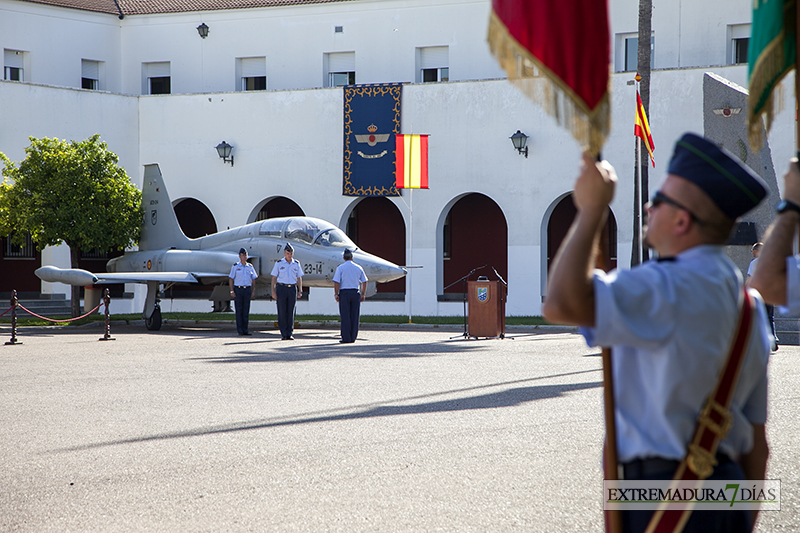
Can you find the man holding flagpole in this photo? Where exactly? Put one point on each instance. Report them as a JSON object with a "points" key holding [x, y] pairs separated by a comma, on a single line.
{"points": [[671, 324]]}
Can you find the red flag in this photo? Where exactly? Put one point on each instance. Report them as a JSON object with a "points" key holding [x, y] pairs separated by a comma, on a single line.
{"points": [[641, 129], [411, 161], [565, 45]]}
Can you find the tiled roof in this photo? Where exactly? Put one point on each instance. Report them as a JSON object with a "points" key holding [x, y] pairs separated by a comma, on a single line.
{"points": [[145, 7], [100, 6]]}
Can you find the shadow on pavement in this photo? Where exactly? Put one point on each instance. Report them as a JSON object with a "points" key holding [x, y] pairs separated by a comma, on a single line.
{"points": [[492, 400]]}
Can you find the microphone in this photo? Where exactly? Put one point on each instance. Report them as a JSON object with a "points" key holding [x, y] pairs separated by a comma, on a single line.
{"points": [[499, 277]]}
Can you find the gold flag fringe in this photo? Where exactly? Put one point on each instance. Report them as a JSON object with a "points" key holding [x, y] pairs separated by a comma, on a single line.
{"points": [[590, 127], [767, 73]]}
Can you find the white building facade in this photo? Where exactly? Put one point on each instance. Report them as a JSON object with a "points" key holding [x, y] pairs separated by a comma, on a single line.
{"points": [[265, 78]]}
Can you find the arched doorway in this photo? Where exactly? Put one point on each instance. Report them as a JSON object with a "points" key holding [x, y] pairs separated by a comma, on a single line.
{"points": [[475, 234], [194, 218], [279, 207], [377, 227], [560, 222]]}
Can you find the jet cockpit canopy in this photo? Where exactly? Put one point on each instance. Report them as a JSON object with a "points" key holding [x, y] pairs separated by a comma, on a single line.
{"points": [[306, 230]]}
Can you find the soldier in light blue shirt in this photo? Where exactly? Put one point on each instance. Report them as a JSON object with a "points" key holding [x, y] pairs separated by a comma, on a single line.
{"points": [[287, 287], [241, 280], [670, 323], [347, 280]]}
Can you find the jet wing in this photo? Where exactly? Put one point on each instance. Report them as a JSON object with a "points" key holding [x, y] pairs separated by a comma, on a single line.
{"points": [[164, 277], [75, 276]]}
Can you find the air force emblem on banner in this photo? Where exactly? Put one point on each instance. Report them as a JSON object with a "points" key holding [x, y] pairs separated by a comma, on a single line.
{"points": [[483, 294], [372, 139]]}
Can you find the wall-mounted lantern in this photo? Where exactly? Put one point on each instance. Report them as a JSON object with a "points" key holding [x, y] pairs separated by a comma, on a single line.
{"points": [[224, 151], [520, 141]]}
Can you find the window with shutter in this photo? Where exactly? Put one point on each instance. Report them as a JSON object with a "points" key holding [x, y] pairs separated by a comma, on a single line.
{"points": [[341, 68], [90, 74], [253, 73], [434, 64], [13, 61], [156, 78]]}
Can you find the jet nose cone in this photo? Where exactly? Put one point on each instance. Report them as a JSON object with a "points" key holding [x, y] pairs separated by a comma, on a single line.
{"points": [[379, 270], [396, 272]]}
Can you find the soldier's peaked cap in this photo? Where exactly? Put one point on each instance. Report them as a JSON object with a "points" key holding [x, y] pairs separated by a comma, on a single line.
{"points": [[731, 185]]}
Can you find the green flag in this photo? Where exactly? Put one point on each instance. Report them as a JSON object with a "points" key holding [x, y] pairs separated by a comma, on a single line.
{"points": [[771, 57]]}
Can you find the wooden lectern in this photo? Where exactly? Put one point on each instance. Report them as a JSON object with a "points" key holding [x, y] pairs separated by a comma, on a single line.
{"points": [[487, 308]]}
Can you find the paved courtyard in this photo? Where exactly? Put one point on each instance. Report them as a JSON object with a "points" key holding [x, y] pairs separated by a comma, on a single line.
{"points": [[196, 429]]}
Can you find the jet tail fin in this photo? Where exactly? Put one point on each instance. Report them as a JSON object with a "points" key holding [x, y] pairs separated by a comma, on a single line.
{"points": [[160, 228]]}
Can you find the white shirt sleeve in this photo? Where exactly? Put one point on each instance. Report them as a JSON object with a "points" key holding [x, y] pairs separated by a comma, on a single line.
{"points": [[792, 285], [751, 269], [638, 312]]}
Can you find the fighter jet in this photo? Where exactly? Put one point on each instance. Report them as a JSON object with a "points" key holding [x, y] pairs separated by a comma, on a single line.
{"points": [[166, 256]]}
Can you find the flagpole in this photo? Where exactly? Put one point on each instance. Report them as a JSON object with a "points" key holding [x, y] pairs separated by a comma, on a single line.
{"points": [[411, 179], [640, 245], [639, 197], [411, 245], [612, 518], [410, 222]]}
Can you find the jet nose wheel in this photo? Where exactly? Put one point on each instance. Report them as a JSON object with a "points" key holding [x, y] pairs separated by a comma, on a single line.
{"points": [[154, 322]]}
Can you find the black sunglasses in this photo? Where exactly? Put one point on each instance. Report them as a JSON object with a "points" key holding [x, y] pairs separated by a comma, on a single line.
{"points": [[661, 198]]}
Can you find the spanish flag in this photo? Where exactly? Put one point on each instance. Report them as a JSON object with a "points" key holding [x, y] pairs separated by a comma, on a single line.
{"points": [[411, 161], [642, 129]]}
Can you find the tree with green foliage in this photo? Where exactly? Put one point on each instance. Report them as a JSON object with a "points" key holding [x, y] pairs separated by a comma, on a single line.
{"points": [[70, 192]]}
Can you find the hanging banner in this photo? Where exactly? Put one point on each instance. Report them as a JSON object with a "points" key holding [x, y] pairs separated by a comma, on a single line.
{"points": [[371, 120]]}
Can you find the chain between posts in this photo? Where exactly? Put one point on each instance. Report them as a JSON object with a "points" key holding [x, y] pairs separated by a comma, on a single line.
{"points": [[15, 303]]}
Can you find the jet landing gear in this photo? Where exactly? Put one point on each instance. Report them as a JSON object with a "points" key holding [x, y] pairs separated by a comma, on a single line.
{"points": [[153, 323], [152, 307]]}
